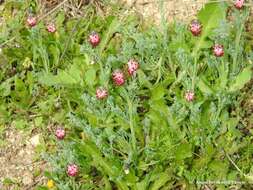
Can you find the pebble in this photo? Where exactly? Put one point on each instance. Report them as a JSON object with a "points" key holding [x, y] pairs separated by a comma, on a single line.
{"points": [[27, 178], [35, 140]]}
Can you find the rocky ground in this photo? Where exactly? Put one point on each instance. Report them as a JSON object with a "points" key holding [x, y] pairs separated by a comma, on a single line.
{"points": [[21, 167]]}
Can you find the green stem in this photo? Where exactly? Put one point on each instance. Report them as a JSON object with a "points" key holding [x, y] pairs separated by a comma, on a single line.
{"points": [[233, 163], [131, 123], [237, 43], [238, 38], [194, 72], [159, 65]]}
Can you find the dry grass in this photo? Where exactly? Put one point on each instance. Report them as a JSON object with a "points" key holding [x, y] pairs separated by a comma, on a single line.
{"points": [[74, 8]]}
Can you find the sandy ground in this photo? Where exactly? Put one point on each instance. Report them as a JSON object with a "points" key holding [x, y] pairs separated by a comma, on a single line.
{"points": [[183, 10], [20, 166]]}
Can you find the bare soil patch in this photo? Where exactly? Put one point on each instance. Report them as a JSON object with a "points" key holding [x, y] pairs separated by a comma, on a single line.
{"points": [[20, 165], [180, 10]]}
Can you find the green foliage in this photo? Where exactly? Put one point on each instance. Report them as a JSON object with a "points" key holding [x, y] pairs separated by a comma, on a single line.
{"points": [[211, 16], [242, 78], [145, 135]]}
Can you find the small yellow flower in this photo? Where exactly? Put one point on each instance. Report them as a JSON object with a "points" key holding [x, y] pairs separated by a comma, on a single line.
{"points": [[50, 183]]}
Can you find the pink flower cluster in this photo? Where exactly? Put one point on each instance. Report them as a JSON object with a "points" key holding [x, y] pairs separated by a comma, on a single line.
{"points": [[118, 78], [72, 170], [32, 21], [189, 96], [101, 93], [51, 28], [238, 4], [218, 50], [94, 39], [195, 27], [132, 66], [60, 133]]}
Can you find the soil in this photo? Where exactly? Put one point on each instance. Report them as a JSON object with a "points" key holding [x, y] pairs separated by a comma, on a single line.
{"points": [[180, 10], [20, 165]]}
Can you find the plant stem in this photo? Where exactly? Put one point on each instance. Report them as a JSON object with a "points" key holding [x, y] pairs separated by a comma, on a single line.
{"points": [[239, 170], [237, 43], [131, 123], [238, 39], [194, 72]]}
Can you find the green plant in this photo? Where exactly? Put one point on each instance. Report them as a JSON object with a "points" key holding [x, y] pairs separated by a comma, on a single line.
{"points": [[144, 134]]}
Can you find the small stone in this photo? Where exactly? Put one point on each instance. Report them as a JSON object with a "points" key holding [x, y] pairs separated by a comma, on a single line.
{"points": [[35, 140], [27, 178]]}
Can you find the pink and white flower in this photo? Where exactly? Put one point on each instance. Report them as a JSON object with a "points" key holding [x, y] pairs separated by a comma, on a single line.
{"points": [[189, 96], [238, 4], [118, 77], [94, 39], [51, 28], [101, 93], [195, 27], [60, 133], [72, 170], [218, 50], [132, 66], [31, 21]]}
